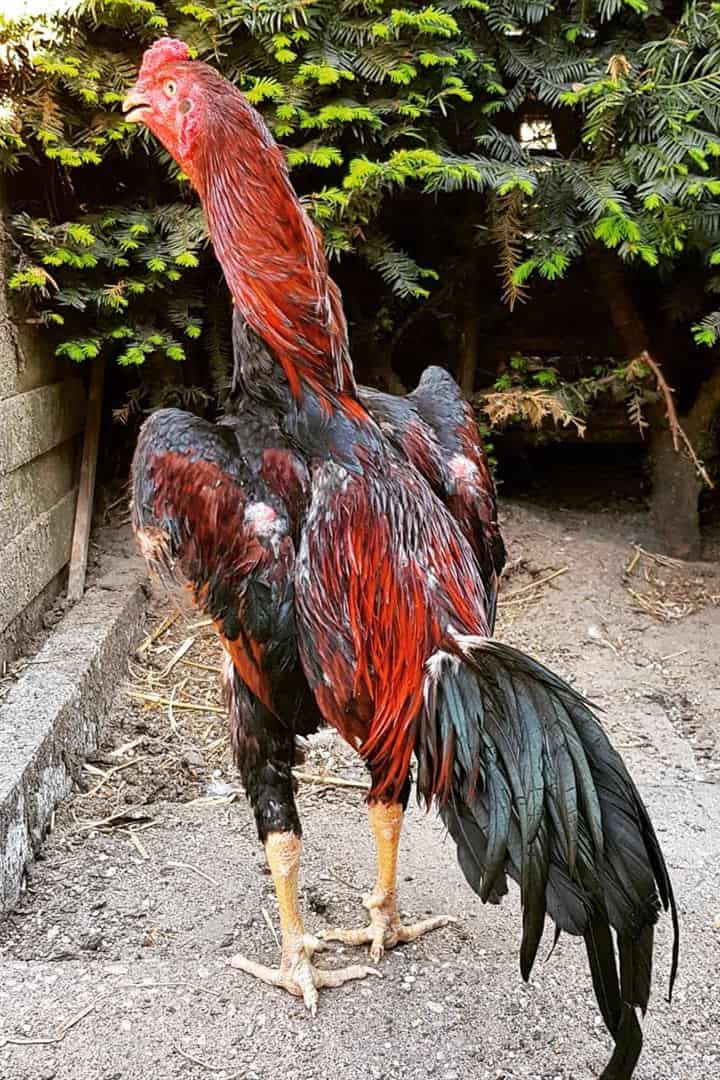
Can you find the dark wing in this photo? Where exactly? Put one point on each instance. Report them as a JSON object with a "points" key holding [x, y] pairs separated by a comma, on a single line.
{"points": [[434, 427], [214, 517]]}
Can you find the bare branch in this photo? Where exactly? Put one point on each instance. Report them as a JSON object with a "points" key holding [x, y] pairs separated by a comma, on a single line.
{"points": [[667, 393], [679, 435]]}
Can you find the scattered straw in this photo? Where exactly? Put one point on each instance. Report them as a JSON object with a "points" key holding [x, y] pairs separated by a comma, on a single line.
{"points": [[106, 775], [194, 869], [520, 595], [48, 1040], [325, 780], [667, 589], [198, 1061], [158, 632], [177, 656], [203, 667], [131, 816], [149, 697], [138, 844]]}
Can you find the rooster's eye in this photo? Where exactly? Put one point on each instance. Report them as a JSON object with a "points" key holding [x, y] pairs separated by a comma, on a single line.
{"points": [[170, 88]]}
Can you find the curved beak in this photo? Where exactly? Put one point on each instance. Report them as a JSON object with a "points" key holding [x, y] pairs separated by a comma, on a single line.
{"points": [[135, 107]]}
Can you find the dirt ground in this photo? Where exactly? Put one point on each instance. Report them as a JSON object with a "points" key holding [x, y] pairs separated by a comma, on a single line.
{"points": [[115, 962]]}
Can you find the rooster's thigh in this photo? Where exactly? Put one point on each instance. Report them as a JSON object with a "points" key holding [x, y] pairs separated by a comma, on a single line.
{"points": [[264, 751]]}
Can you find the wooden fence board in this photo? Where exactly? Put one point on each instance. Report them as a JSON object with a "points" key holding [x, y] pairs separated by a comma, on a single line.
{"points": [[34, 488], [34, 557], [34, 422]]}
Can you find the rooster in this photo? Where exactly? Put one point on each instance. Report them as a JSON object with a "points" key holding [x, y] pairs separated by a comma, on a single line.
{"points": [[393, 576]]}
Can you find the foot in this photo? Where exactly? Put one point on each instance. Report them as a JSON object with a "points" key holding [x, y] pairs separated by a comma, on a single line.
{"points": [[385, 929], [298, 975]]}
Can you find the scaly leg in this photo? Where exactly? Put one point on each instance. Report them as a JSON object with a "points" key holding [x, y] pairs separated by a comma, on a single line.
{"points": [[385, 930], [296, 972]]}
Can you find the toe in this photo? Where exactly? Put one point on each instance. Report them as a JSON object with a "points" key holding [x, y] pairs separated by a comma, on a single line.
{"points": [[272, 976], [359, 936], [303, 979], [406, 932], [329, 977], [313, 944], [377, 951]]}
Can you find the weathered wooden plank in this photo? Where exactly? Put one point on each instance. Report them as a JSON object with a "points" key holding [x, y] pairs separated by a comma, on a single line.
{"points": [[86, 492], [34, 488], [35, 422], [33, 558], [25, 360]]}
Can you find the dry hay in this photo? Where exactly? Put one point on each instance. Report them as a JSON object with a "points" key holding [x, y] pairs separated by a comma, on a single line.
{"points": [[517, 594], [173, 743], [668, 589], [170, 740]]}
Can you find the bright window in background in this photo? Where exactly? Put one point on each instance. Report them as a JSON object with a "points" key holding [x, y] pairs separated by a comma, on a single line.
{"points": [[20, 9], [537, 134]]}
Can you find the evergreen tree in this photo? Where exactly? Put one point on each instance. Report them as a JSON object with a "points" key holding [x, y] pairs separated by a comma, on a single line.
{"points": [[560, 135]]}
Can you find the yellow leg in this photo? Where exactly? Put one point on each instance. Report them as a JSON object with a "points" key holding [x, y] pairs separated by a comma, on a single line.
{"points": [[385, 929], [296, 973]]}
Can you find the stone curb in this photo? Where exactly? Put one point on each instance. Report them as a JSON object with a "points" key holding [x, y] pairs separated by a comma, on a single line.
{"points": [[53, 716]]}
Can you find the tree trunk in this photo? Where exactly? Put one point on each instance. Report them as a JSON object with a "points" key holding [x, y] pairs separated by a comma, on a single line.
{"points": [[676, 485], [626, 319], [675, 491]]}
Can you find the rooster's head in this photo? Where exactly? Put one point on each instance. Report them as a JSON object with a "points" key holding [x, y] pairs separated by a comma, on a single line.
{"points": [[186, 104]]}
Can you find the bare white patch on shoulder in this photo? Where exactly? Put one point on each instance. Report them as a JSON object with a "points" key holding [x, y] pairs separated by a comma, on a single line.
{"points": [[263, 519], [462, 468]]}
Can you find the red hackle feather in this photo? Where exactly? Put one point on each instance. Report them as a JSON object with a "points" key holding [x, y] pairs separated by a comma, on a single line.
{"points": [[273, 257], [270, 251]]}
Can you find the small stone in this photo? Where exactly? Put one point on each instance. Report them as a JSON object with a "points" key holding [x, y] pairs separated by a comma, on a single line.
{"points": [[193, 758], [92, 942]]}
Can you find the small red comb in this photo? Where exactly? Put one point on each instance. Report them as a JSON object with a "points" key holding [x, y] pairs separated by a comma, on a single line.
{"points": [[164, 51]]}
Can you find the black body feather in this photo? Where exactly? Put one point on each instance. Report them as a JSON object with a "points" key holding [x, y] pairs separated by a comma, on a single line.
{"points": [[538, 793]]}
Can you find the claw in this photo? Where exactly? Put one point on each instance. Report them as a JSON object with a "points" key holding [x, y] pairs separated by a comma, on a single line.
{"points": [[300, 978]]}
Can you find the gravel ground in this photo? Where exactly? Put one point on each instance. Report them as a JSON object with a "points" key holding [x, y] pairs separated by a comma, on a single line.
{"points": [[115, 963]]}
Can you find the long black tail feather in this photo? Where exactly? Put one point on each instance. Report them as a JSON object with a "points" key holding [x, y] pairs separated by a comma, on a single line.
{"points": [[530, 787]]}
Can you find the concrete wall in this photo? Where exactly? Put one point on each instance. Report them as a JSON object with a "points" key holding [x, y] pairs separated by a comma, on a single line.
{"points": [[42, 410]]}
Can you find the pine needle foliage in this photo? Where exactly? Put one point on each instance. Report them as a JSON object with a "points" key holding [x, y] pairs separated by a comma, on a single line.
{"points": [[372, 99], [356, 91]]}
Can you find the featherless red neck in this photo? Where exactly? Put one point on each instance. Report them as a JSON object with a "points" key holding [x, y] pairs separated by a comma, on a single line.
{"points": [[270, 251]]}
